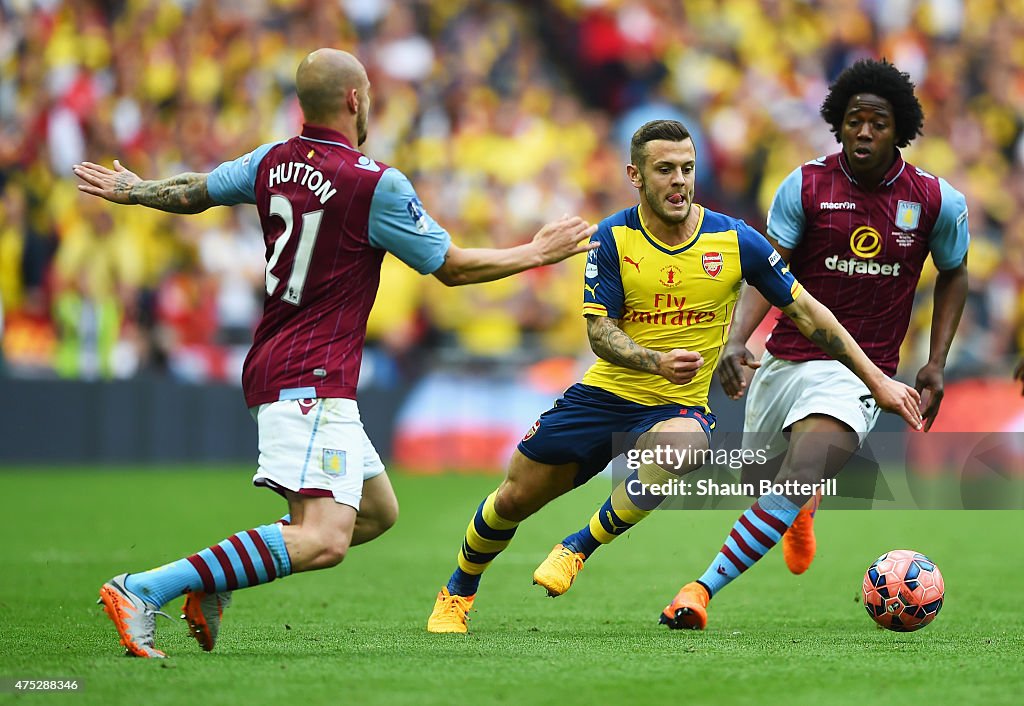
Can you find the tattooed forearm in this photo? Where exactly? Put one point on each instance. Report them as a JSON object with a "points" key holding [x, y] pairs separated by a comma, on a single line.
{"points": [[821, 327], [184, 193], [832, 344], [611, 343]]}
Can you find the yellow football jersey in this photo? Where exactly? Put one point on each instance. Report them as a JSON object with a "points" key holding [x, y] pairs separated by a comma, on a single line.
{"points": [[676, 297]]}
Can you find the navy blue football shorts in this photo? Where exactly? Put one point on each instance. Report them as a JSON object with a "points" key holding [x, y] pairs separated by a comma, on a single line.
{"points": [[579, 428]]}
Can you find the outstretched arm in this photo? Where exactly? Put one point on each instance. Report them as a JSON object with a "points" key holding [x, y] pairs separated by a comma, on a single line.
{"points": [[553, 243], [613, 344], [184, 193], [820, 325], [950, 296]]}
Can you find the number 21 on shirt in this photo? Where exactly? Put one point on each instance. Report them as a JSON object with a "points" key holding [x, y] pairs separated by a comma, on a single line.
{"points": [[282, 207]]}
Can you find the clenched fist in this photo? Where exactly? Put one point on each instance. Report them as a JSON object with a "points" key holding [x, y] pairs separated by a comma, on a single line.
{"points": [[679, 366]]}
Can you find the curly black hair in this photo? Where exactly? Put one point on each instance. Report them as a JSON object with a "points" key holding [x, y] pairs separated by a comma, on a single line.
{"points": [[883, 79]]}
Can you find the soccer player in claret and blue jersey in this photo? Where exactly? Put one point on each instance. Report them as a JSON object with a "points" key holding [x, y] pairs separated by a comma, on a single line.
{"points": [[328, 213], [856, 228], [657, 299]]}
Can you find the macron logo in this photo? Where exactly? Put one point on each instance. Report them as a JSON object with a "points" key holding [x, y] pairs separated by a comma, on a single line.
{"points": [[366, 163], [838, 206]]}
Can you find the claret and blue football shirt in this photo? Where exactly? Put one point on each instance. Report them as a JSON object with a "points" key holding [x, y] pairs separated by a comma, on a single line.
{"points": [[860, 251], [328, 214]]}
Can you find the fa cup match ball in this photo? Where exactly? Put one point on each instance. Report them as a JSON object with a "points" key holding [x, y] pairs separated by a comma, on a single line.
{"points": [[903, 590]]}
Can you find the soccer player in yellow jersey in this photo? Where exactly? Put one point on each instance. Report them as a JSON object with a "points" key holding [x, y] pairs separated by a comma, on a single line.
{"points": [[658, 296]]}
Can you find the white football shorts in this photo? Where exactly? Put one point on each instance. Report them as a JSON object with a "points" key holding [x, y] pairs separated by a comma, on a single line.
{"points": [[782, 393], [315, 447]]}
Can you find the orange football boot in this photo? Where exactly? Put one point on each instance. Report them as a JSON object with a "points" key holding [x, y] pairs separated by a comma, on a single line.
{"points": [[798, 543], [688, 610]]}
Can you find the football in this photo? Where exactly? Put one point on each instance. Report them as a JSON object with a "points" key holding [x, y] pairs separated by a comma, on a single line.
{"points": [[903, 590]]}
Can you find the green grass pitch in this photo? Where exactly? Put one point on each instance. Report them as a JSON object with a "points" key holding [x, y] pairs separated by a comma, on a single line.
{"points": [[355, 634]]}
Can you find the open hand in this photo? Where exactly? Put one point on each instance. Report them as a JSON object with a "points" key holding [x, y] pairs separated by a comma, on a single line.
{"points": [[895, 397], [111, 184], [561, 239]]}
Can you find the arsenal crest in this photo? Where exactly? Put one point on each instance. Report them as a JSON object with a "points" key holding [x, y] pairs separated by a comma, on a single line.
{"points": [[712, 262], [533, 430]]}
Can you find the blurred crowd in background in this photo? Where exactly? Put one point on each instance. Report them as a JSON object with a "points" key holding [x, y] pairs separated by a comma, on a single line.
{"points": [[504, 114]]}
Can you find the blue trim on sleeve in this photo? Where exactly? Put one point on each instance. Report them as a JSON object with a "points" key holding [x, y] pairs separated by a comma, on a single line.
{"points": [[234, 182], [400, 224], [950, 236], [603, 278], [297, 393], [763, 267], [786, 218]]}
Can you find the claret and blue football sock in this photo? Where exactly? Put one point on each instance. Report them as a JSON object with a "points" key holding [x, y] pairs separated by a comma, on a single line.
{"points": [[486, 536], [249, 558], [758, 530]]}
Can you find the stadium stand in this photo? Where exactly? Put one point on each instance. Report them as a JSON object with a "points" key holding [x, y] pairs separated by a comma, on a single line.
{"points": [[505, 114]]}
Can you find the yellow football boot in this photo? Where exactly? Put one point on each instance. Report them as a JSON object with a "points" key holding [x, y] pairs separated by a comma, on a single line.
{"points": [[559, 570], [450, 613]]}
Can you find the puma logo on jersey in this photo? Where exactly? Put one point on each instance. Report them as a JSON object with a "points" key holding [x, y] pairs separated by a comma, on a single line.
{"points": [[590, 289], [636, 264]]}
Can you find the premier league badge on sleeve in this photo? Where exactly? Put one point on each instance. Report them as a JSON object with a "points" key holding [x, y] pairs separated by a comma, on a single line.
{"points": [[908, 215], [417, 214]]}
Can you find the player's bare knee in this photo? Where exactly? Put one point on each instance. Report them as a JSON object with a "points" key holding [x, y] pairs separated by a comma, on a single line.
{"points": [[333, 555], [755, 473], [514, 502], [508, 505], [333, 549], [676, 446], [801, 473], [328, 545]]}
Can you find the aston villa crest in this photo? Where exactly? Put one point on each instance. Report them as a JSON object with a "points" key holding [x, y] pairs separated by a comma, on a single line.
{"points": [[908, 215]]}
